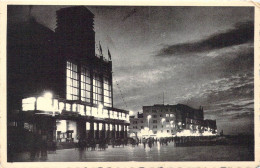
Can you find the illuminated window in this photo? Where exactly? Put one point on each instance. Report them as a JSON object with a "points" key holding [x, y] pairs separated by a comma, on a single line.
{"points": [[107, 93], [100, 126], [97, 89], [87, 126], [167, 115], [88, 110], [72, 81], [85, 84], [61, 106], [95, 126], [81, 109], [105, 113], [28, 104]]}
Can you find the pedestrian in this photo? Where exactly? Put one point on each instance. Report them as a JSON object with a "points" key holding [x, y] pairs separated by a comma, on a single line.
{"points": [[144, 143]]}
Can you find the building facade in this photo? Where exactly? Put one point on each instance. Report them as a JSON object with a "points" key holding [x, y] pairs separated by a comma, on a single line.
{"points": [[58, 87], [171, 120]]}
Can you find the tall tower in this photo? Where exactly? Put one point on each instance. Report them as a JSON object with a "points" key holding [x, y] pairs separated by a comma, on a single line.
{"points": [[75, 31]]}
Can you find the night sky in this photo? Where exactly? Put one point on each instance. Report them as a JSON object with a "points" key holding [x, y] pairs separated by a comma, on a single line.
{"points": [[194, 55]]}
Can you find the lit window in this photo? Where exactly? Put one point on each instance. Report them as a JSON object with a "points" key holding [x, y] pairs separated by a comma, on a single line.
{"points": [[105, 113], [88, 111], [94, 111], [95, 126], [68, 107], [74, 108], [111, 127], [167, 115], [100, 126], [72, 88], [85, 84], [87, 126], [28, 103], [61, 106], [82, 110], [107, 93], [97, 89]]}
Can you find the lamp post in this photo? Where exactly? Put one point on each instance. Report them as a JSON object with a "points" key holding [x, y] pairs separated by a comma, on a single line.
{"points": [[148, 118]]}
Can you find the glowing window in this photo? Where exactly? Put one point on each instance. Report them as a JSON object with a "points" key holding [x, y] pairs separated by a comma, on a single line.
{"points": [[94, 111], [87, 126], [28, 103], [61, 106], [100, 126], [88, 111], [97, 89], [72, 87], [81, 109], [68, 107], [107, 92], [95, 126], [85, 84]]}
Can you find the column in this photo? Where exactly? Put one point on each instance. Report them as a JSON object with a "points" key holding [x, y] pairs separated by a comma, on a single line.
{"points": [[91, 132]]}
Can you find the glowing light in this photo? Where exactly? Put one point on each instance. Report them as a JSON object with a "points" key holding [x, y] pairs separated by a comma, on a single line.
{"points": [[87, 126], [131, 113], [100, 106], [47, 95], [28, 104], [100, 126], [44, 104]]}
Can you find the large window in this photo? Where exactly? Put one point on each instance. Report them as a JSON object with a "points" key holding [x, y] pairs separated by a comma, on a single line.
{"points": [[97, 89], [85, 84], [107, 93], [72, 87]]}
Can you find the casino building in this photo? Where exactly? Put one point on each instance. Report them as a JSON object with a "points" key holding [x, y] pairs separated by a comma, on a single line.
{"points": [[171, 120], [58, 88]]}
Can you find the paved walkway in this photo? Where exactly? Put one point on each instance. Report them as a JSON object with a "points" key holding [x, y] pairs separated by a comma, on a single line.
{"points": [[156, 153]]}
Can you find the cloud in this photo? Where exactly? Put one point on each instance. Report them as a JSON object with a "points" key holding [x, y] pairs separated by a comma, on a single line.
{"points": [[241, 33]]}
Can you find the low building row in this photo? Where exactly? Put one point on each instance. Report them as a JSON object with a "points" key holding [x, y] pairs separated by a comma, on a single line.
{"points": [[171, 120]]}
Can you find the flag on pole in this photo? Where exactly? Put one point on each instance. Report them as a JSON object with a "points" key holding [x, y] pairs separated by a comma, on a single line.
{"points": [[109, 55], [100, 48]]}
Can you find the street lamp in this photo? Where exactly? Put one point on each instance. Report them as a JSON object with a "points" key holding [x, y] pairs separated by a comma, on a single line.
{"points": [[148, 118]]}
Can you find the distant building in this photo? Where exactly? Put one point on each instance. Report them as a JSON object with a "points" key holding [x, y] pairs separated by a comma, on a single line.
{"points": [[58, 87], [171, 120]]}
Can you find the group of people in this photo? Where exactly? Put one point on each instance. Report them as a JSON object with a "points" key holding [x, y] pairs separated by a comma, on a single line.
{"points": [[100, 144], [152, 141]]}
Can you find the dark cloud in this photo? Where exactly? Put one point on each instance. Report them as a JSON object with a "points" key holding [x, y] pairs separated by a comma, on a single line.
{"points": [[242, 32]]}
